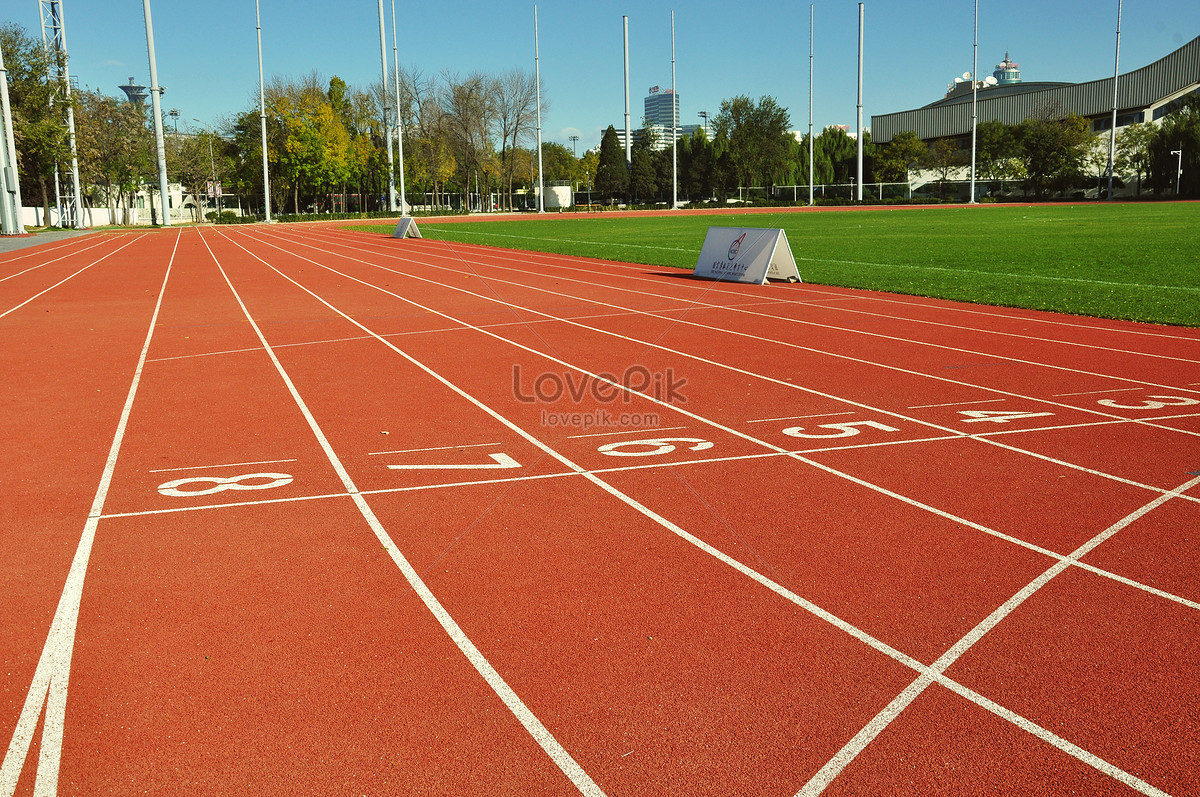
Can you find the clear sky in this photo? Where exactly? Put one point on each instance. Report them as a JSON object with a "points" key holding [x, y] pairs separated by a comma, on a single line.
{"points": [[207, 57]]}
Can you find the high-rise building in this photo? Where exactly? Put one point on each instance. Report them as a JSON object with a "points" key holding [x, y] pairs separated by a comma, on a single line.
{"points": [[662, 107]]}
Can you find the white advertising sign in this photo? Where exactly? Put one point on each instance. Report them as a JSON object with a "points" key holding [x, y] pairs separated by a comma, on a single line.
{"points": [[406, 228], [746, 254]]}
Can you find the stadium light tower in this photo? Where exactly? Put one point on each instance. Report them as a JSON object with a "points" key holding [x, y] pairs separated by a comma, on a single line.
{"points": [[974, 100], [156, 111], [54, 42], [262, 117], [537, 82], [10, 184], [1112, 134], [386, 110], [399, 123]]}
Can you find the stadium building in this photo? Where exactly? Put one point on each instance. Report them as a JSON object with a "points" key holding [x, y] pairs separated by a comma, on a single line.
{"points": [[1144, 95]]}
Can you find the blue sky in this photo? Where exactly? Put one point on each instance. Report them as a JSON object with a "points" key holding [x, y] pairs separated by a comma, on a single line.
{"points": [[207, 56]]}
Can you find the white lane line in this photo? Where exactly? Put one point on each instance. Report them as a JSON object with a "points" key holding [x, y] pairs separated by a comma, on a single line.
{"points": [[305, 243], [1097, 392], [734, 369], [800, 417], [925, 673], [227, 465], [905, 499], [937, 671], [49, 262], [959, 403], [51, 677], [628, 431], [65, 279], [546, 740], [439, 448], [588, 266], [782, 300]]}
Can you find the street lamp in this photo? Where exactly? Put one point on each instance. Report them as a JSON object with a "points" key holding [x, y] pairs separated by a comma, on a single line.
{"points": [[1178, 153], [215, 187]]}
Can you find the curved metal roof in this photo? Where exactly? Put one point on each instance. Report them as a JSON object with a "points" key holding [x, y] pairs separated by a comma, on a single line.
{"points": [[1139, 89]]}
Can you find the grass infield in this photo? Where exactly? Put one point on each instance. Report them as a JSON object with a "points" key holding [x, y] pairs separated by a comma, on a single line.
{"points": [[1132, 261]]}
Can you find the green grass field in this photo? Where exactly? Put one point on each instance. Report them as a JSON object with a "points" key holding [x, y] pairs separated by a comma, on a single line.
{"points": [[1132, 261]]}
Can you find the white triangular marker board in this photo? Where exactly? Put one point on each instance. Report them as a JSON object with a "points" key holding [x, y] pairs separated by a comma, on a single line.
{"points": [[406, 228], [746, 254]]}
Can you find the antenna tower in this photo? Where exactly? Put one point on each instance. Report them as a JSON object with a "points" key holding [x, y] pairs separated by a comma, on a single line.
{"points": [[54, 41]]}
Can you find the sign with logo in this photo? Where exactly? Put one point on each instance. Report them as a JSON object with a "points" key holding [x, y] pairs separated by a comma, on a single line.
{"points": [[406, 227], [746, 254]]}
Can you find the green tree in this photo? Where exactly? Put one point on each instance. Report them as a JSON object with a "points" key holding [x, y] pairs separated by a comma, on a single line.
{"points": [[1180, 132], [899, 156], [996, 150], [1052, 151], [757, 139], [1133, 150], [836, 154], [114, 147], [612, 178], [643, 177], [943, 157], [557, 162]]}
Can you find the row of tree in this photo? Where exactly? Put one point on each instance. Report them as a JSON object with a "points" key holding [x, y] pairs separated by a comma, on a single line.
{"points": [[470, 137], [1053, 153]]}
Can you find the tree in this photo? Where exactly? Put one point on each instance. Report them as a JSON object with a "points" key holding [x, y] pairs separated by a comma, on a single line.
{"points": [[835, 153], [643, 178], [996, 150], [516, 113], [1180, 132], [757, 138], [1133, 150], [469, 113], [899, 156], [1052, 151], [114, 147], [612, 178], [943, 157]]}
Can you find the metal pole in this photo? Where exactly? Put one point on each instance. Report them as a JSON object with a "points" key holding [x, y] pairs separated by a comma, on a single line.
{"points": [[156, 109], [1112, 134], [262, 117], [811, 200], [399, 125], [1178, 153], [11, 179], [858, 187], [674, 125], [628, 133], [537, 79], [974, 98], [384, 93]]}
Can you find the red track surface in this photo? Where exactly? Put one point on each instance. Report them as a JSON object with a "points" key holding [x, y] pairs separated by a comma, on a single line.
{"points": [[297, 510]]}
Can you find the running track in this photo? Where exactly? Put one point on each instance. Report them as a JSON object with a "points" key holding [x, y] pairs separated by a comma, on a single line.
{"points": [[299, 510]]}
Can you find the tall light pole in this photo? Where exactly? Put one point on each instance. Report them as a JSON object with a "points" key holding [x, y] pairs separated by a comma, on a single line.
{"points": [[399, 125], [574, 141], [811, 200], [262, 117], [674, 125], [628, 132], [858, 186], [1178, 153], [1112, 134], [537, 81], [387, 136], [704, 115], [974, 99], [156, 110]]}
